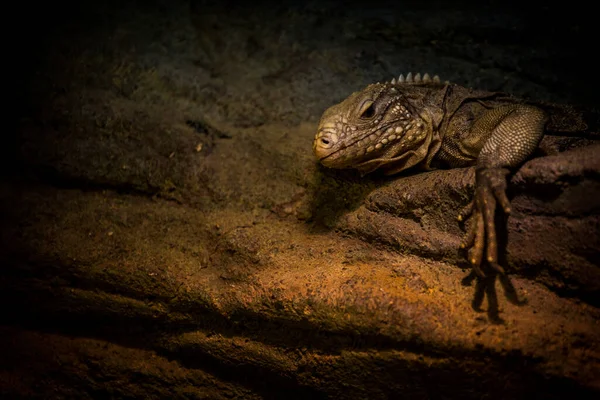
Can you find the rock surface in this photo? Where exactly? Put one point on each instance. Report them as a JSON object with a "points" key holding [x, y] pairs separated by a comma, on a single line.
{"points": [[166, 232]]}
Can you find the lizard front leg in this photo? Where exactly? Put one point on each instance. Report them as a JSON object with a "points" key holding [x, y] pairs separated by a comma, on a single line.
{"points": [[511, 134]]}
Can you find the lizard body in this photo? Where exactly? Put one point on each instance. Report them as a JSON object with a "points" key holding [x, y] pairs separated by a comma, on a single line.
{"points": [[424, 123]]}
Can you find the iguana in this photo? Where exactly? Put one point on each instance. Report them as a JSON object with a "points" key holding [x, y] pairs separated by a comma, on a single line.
{"points": [[422, 122]]}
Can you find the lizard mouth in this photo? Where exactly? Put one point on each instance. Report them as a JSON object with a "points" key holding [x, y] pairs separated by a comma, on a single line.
{"points": [[325, 151], [333, 154], [329, 156], [338, 158]]}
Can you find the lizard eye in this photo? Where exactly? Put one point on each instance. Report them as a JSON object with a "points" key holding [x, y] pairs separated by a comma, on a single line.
{"points": [[367, 109]]}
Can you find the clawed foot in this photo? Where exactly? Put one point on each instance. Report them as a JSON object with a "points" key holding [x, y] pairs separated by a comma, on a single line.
{"points": [[490, 190]]}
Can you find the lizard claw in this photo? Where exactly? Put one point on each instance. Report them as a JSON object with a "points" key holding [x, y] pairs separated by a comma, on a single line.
{"points": [[490, 190]]}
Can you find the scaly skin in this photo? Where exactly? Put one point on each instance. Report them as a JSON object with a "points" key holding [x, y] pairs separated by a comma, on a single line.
{"points": [[421, 122]]}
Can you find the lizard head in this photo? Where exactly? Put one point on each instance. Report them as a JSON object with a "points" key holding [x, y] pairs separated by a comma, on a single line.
{"points": [[382, 125]]}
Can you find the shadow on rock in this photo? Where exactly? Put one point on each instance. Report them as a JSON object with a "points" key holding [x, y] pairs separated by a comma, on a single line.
{"points": [[335, 193]]}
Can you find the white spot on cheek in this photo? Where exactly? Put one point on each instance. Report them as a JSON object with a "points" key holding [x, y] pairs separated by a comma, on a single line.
{"points": [[399, 129], [384, 141], [370, 149], [393, 137], [378, 146]]}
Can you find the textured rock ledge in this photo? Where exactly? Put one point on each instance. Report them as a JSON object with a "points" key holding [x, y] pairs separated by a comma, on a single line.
{"points": [[259, 306]]}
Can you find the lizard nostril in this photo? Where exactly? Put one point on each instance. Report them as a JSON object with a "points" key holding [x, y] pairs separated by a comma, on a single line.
{"points": [[326, 140]]}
